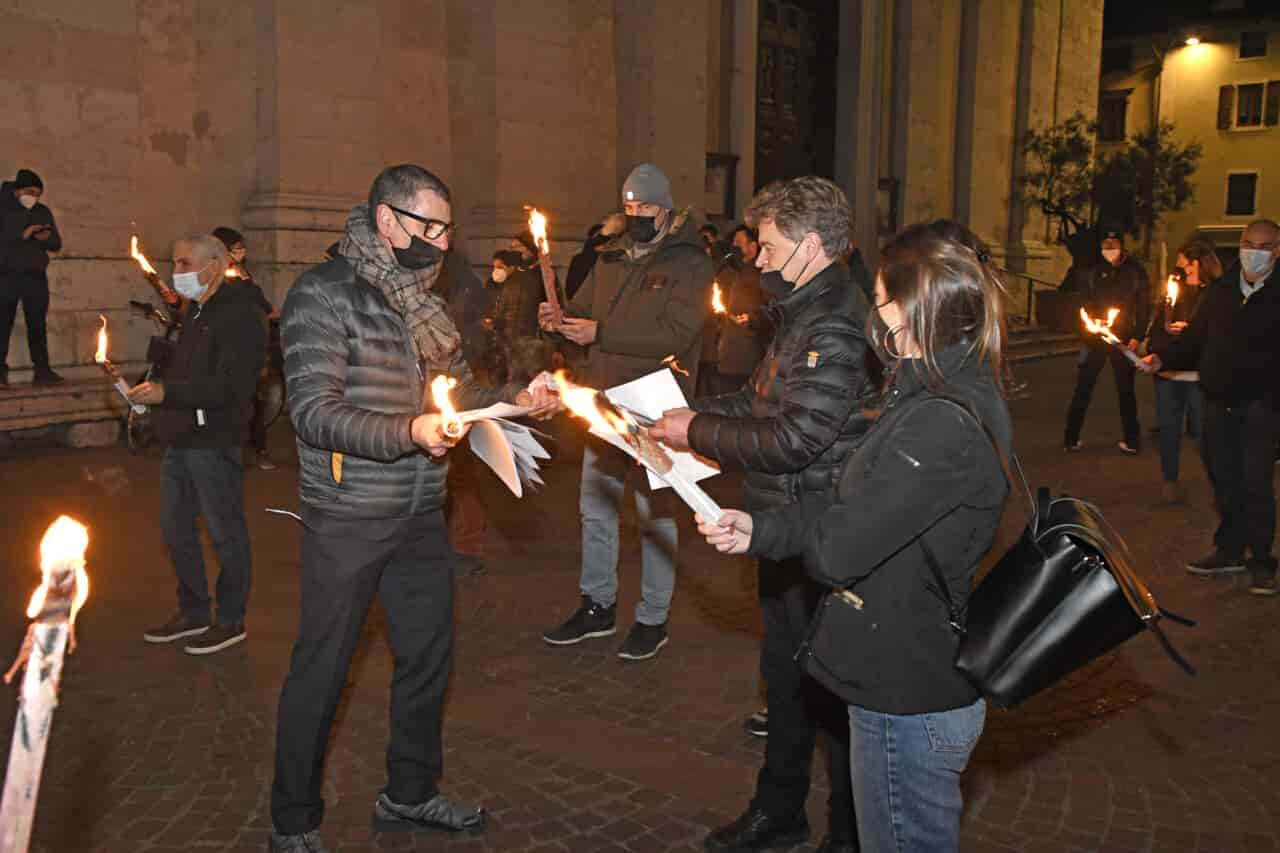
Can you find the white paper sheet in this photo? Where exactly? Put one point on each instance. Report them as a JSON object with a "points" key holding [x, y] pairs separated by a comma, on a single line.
{"points": [[652, 395]]}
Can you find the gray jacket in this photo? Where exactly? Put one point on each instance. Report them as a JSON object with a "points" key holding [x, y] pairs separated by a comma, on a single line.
{"points": [[355, 385]]}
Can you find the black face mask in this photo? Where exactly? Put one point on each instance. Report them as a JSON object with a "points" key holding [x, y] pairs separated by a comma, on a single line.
{"points": [[735, 258], [419, 254], [774, 284], [642, 228]]}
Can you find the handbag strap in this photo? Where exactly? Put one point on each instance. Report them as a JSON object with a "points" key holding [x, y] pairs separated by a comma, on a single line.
{"points": [[1039, 509]]}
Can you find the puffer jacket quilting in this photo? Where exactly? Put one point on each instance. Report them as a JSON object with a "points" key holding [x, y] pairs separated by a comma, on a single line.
{"points": [[355, 385], [801, 414]]}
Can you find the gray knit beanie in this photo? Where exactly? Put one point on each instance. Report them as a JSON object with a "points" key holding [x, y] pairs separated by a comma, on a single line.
{"points": [[648, 185]]}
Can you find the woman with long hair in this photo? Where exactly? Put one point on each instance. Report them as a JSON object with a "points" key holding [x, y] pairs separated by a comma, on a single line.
{"points": [[926, 485], [1179, 403]]}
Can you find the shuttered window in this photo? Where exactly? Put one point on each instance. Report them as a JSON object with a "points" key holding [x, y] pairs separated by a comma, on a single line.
{"points": [[1249, 105], [1242, 194]]}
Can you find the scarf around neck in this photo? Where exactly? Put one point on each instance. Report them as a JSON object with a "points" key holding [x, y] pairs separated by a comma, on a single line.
{"points": [[409, 291]]}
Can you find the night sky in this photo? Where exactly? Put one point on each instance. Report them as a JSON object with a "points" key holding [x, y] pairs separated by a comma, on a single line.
{"points": [[1134, 17]]}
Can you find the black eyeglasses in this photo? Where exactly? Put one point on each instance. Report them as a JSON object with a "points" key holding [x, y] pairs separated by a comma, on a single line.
{"points": [[433, 229]]}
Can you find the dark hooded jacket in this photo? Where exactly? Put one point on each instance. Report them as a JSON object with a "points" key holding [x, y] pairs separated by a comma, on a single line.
{"points": [[16, 254], [648, 307], [802, 412]]}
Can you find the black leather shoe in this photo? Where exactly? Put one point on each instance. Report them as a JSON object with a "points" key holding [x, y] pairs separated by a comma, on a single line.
{"points": [[756, 830], [832, 845], [436, 813]]}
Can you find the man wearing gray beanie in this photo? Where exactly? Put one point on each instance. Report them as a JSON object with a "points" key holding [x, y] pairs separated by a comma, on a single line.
{"points": [[645, 300]]}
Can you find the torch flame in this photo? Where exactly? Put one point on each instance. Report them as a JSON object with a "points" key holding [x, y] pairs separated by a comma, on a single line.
{"points": [[1171, 291], [231, 272], [581, 401], [101, 355], [717, 300], [538, 228], [136, 254], [672, 362], [1098, 327], [440, 387], [62, 552]]}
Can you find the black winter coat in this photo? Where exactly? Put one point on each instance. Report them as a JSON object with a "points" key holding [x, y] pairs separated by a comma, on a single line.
{"points": [[800, 415], [1234, 342], [213, 367], [924, 470], [16, 254], [355, 385]]}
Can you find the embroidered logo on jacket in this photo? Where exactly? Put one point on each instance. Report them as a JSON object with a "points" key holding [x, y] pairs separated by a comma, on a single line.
{"points": [[813, 358]]}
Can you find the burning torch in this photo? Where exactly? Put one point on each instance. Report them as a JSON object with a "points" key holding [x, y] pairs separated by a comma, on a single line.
{"points": [[112, 371], [1103, 331], [63, 589], [149, 272], [538, 228], [605, 418], [452, 426]]}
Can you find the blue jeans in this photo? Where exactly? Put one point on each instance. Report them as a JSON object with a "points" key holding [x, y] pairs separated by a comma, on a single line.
{"points": [[604, 479], [1178, 403], [208, 482], [906, 776]]}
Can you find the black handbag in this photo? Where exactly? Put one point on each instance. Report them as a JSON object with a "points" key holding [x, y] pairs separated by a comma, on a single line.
{"points": [[1065, 594]]}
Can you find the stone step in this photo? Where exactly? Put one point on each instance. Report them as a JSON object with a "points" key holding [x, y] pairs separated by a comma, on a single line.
{"points": [[1033, 343], [87, 395]]}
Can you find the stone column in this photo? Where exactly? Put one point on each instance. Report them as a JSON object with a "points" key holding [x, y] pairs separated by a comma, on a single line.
{"points": [[860, 114], [342, 92], [742, 96]]}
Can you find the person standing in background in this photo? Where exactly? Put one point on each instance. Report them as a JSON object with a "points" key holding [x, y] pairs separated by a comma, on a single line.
{"points": [[28, 234]]}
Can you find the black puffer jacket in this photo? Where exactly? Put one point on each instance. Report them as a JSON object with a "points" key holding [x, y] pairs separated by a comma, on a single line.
{"points": [[16, 254], [800, 415], [355, 385], [926, 470]]}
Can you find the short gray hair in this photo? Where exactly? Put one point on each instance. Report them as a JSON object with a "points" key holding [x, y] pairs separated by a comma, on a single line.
{"points": [[1267, 223], [398, 185], [800, 205], [208, 247]]}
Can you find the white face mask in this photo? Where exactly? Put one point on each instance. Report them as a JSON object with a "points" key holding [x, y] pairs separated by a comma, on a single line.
{"points": [[1112, 255], [1256, 263], [188, 285], [28, 201], [499, 275]]}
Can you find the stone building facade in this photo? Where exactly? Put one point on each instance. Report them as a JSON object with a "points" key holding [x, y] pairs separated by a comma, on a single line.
{"points": [[168, 117]]}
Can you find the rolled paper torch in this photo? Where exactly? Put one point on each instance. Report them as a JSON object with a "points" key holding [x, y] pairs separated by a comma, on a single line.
{"points": [[62, 592], [149, 272], [605, 417], [452, 425], [1171, 291], [538, 228], [112, 371], [1103, 331]]}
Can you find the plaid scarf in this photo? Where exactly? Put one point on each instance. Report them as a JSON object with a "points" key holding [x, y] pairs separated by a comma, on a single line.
{"points": [[409, 291]]}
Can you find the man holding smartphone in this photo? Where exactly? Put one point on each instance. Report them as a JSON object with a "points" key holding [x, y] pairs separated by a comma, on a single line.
{"points": [[27, 235]]}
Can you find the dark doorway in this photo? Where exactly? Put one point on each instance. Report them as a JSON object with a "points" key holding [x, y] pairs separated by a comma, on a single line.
{"points": [[796, 89]]}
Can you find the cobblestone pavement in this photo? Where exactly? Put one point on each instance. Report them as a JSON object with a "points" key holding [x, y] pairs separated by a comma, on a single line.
{"points": [[573, 750]]}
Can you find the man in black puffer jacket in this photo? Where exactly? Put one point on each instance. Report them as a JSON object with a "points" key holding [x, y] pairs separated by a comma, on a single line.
{"points": [[364, 335], [790, 429]]}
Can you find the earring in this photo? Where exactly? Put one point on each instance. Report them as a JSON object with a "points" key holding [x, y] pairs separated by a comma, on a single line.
{"points": [[887, 340]]}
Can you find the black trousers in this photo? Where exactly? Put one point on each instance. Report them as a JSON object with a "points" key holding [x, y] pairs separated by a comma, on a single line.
{"points": [[799, 707], [1239, 445], [412, 571], [32, 290], [1092, 359]]}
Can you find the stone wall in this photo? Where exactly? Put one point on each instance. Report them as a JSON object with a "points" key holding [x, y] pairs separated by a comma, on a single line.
{"points": [[273, 116]]}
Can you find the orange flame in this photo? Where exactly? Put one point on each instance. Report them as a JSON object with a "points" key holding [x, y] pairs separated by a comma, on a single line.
{"points": [[136, 254], [717, 299], [62, 551], [101, 355], [538, 228], [581, 401], [1098, 327], [232, 272], [672, 362], [1171, 291], [440, 387]]}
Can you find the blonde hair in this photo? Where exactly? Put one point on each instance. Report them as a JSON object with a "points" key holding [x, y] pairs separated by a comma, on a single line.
{"points": [[802, 205]]}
